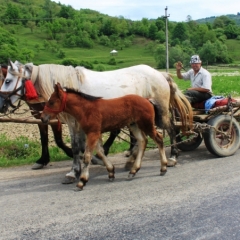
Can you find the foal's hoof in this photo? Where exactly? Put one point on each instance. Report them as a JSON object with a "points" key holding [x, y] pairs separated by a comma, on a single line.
{"points": [[78, 189], [131, 175], [162, 173], [68, 180], [37, 166], [111, 179], [171, 162]]}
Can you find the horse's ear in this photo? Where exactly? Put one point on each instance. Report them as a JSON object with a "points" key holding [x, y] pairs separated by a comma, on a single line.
{"points": [[10, 63], [58, 88], [29, 67]]}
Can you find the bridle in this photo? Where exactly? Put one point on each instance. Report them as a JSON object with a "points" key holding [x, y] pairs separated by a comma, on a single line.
{"points": [[6, 95], [61, 108]]}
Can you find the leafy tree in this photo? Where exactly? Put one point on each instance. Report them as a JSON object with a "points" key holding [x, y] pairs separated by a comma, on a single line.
{"points": [[152, 32], [104, 40], [209, 36], [177, 54], [180, 32], [231, 31], [161, 36], [66, 12], [160, 56], [12, 14], [31, 25], [222, 55], [208, 53], [160, 23]]}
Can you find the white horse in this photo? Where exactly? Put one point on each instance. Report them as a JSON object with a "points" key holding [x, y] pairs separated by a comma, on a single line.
{"points": [[141, 80]]}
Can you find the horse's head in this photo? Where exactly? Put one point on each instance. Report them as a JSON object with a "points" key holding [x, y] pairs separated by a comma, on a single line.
{"points": [[12, 88], [55, 105]]}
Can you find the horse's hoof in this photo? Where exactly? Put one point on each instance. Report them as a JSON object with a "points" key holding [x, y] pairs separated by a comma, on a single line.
{"points": [[96, 161], [37, 166], [78, 189], [68, 180], [171, 162], [111, 179], [131, 175], [162, 173]]}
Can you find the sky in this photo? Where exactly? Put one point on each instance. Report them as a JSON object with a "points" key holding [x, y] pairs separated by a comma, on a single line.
{"points": [[178, 10]]}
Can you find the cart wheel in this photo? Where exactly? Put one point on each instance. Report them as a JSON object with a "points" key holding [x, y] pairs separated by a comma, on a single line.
{"points": [[189, 145], [218, 142]]}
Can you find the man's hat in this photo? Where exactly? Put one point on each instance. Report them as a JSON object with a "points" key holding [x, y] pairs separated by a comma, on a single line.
{"points": [[195, 59]]}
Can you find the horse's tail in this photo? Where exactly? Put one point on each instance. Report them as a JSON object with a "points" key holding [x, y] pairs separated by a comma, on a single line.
{"points": [[179, 102]]}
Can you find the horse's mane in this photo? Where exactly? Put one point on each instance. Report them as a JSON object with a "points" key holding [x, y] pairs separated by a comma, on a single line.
{"points": [[49, 74], [81, 94]]}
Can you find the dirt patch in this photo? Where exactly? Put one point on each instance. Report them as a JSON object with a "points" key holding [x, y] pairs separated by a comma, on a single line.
{"points": [[31, 131]]}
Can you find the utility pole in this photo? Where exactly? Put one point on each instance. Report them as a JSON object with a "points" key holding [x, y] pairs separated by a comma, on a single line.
{"points": [[166, 18]]}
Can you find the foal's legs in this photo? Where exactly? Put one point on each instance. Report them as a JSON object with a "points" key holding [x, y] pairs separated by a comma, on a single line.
{"points": [[92, 140], [142, 143], [106, 147], [107, 163]]}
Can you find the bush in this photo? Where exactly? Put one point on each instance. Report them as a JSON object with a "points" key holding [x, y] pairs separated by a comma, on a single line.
{"points": [[86, 64], [68, 62], [100, 68], [112, 61]]}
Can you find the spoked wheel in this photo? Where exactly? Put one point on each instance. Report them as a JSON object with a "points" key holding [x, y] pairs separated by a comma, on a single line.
{"points": [[189, 145], [219, 139]]}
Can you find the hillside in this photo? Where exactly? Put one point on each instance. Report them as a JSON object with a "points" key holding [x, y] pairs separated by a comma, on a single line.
{"points": [[234, 17], [42, 31]]}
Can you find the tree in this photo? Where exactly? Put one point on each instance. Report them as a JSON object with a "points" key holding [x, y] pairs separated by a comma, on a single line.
{"points": [[180, 32], [12, 14], [66, 12], [177, 54], [160, 23], [208, 53], [152, 32], [31, 25], [231, 31], [189, 18], [160, 56]]}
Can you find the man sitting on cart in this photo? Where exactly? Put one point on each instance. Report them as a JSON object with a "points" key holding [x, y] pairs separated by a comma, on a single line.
{"points": [[201, 81]]}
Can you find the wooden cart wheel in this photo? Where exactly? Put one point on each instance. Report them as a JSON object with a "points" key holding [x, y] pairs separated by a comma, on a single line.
{"points": [[218, 140], [189, 145]]}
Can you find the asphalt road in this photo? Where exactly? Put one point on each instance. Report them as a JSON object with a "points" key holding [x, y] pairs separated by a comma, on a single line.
{"points": [[197, 199]]}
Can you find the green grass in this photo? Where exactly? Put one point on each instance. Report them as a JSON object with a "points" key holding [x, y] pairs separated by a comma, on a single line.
{"points": [[22, 151]]}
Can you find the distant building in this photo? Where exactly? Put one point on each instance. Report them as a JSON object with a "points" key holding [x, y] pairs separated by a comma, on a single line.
{"points": [[238, 13]]}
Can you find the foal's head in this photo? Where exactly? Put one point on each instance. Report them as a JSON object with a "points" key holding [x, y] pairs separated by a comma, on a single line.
{"points": [[55, 104]]}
